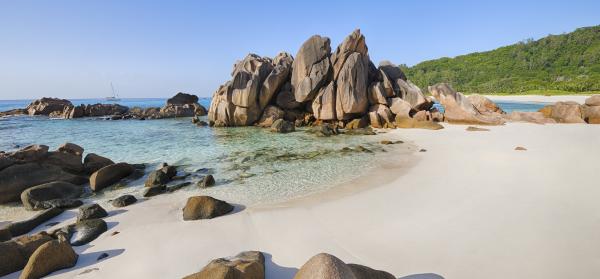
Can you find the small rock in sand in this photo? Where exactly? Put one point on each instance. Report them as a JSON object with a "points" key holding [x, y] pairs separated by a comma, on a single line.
{"points": [[476, 129], [520, 148], [205, 207], [206, 181], [91, 211], [124, 200]]}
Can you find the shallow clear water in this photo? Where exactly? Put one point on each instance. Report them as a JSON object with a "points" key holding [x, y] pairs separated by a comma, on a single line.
{"points": [[251, 165], [510, 106]]}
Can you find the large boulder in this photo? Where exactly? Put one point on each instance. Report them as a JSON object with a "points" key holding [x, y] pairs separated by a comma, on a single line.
{"points": [[484, 105], [564, 112], [15, 253], [16, 178], [51, 256], [182, 99], [378, 94], [30, 153], [325, 266], [591, 114], [355, 42], [392, 72], [311, 68], [459, 109], [93, 162], [352, 83], [104, 109], [205, 207], [324, 104], [71, 148], [46, 106], [245, 265], [379, 115], [529, 116], [593, 101], [413, 95], [276, 79], [67, 161], [37, 197], [400, 107], [110, 175]]}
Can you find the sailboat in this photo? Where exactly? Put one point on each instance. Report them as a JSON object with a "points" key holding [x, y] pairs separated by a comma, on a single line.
{"points": [[114, 97]]}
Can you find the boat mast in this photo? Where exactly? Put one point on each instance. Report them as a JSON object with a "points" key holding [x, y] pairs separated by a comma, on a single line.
{"points": [[113, 90]]}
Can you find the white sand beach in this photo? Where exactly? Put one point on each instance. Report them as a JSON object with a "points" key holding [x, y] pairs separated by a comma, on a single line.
{"points": [[469, 207]]}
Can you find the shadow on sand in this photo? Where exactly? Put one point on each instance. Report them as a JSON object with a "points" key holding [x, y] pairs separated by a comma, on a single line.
{"points": [[273, 270]]}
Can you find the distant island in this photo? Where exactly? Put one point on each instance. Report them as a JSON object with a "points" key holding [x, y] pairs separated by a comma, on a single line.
{"points": [[556, 64]]}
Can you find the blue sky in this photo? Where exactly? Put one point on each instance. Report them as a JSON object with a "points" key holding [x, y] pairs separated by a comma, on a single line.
{"points": [[74, 49]]}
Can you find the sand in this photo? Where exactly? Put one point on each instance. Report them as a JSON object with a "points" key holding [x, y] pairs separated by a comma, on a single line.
{"points": [[469, 207]]}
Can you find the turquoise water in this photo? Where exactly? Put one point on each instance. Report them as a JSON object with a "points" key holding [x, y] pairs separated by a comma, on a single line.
{"points": [[251, 165], [510, 106], [129, 102]]}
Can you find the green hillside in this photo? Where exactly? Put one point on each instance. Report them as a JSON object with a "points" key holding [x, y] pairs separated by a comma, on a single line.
{"points": [[557, 63]]}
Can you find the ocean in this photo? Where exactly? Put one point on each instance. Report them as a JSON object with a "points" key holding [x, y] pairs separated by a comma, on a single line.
{"points": [[251, 165]]}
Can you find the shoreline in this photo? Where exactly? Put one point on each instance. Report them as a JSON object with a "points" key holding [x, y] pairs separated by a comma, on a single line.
{"points": [[539, 98]]}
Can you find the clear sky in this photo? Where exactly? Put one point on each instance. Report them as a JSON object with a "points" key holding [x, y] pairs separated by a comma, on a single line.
{"points": [[74, 49]]}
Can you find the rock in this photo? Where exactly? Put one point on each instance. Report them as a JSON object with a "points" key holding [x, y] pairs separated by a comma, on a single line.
{"points": [[206, 181], [14, 112], [157, 177], [591, 114], [484, 105], [25, 226], [285, 98], [34, 197], [282, 126], [323, 105], [476, 129], [410, 123], [311, 68], [109, 175], [413, 95], [377, 94], [15, 253], [273, 83], [459, 109], [324, 130], [352, 82], [154, 191], [93, 162], [564, 112], [31, 153], [358, 123], [380, 115], [74, 112], [182, 99], [124, 200], [392, 72], [83, 232], [178, 186], [91, 211], [593, 101], [400, 107], [5, 234], [61, 203], [520, 148], [71, 148], [527, 116], [270, 114], [205, 207], [16, 178], [102, 256], [67, 161], [353, 43], [45, 106], [51, 256], [325, 266], [366, 131], [364, 272], [249, 264]]}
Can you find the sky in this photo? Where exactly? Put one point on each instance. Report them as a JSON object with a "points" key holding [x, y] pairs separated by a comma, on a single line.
{"points": [[75, 49]]}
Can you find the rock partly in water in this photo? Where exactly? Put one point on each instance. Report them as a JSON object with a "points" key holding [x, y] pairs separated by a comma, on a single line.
{"points": [[83, 232], [282, 126], [42, 196], [91, 211], [529, 116], [205, 207], [245, 265], [93, 162], [110, 175], [207, 181], [46, 106], [51, 256], [124, 200], [564, 112], [154, 190]]}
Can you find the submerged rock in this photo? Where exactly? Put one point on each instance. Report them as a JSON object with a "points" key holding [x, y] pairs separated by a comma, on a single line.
{"points": [[249, 264], [282, 126], [206, 181], [205, 207]]}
